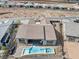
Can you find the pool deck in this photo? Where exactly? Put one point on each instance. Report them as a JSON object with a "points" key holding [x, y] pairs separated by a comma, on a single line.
{"points": [[34, 50], [40, 57], [19, 50]]}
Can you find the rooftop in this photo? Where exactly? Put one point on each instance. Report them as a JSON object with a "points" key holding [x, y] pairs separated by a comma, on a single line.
{"points": [[50, 32], [4, 27], [71, 29], [35, 31], [30, 32]]}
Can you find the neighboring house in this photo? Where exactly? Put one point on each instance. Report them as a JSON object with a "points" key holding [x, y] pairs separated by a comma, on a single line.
{"points": [[3, 0], [2, 4], [19, 4], [10, 4], [6, 35], [72, 1], [72, 31]]}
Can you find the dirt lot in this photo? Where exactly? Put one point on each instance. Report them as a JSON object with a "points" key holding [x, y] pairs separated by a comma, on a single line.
{"points": [[71, 49], [19, 12]]}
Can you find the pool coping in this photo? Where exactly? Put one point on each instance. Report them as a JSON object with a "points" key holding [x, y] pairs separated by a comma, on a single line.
{"points": [[37, 54]]}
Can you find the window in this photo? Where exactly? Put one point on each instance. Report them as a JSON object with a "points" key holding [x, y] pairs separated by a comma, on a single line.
{"points": [[56, 8], [3, 39], [31, 6], [77, 21], [51, 42], [37, 22], [0, 47], [34, 42], [22, 41], [71, 39], [10, 6], [48, 7], [40, 7], [8, 39], [21, 5], [64, 8]]}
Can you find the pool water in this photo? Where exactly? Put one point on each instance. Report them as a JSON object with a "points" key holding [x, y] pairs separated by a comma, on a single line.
{"points": [[38, 50]]}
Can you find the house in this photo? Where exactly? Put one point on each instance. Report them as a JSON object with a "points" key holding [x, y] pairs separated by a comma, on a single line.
{"points": [[71, 31], [34, 34], [2, 4], [10, 4], [6, 35], [75, 1], [19, 4], [29, 5]]}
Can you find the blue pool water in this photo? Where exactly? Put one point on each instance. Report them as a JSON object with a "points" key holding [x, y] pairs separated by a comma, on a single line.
{"points": [[38, 50]]}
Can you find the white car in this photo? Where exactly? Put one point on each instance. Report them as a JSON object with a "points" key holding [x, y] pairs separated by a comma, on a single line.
{"points": [[28, 5]]}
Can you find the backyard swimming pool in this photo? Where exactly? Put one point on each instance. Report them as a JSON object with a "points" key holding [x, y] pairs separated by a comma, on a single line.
{"points": [[38, 50]]}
